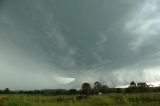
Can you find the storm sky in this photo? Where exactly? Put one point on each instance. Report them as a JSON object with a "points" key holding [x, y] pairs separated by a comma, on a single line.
{"points": [[63, 43]]}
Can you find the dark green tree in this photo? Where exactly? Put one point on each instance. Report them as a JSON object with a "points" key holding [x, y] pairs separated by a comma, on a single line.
{"points": [[133, 84], [142, 85], [86, 88], [97, 86], [73, 91], [6, 90], [104, 88]]}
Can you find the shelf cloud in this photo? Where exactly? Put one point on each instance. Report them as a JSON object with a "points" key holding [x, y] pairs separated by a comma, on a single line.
{"points": [[61, 44]]}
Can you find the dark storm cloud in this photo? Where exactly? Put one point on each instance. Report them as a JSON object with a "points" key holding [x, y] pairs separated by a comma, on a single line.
{"points": [[82, 40]]}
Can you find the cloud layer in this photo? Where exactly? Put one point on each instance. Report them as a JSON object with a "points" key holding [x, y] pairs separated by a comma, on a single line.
{"points": [[60, 44]]}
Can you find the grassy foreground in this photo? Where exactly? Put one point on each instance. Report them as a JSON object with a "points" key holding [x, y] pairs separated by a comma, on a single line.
{"points": [[136, 99]]}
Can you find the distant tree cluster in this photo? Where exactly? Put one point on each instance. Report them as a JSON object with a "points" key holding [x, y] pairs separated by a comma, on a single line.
{"points": [[86, 89], [133, 88], [98, 88], [141, 87], [5, 91]]}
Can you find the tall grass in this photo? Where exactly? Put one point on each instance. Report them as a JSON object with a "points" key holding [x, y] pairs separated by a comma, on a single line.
{"points": [[135, 99]]}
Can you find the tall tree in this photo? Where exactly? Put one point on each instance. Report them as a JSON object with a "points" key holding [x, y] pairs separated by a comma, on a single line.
{"points": [[133, 84], [6, 90], [86, 88], [97, 86]]}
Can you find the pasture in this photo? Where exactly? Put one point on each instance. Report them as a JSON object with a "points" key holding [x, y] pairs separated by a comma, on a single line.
{"points": [[110, 99]]}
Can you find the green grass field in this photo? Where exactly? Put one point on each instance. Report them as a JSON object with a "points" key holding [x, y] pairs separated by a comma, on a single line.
{"points": [[136, 99]]}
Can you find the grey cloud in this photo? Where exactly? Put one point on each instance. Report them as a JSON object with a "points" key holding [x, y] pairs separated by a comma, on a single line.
{"points": [[104, 39]]}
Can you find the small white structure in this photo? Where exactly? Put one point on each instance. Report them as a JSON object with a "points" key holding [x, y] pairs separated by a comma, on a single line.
{"points": [[99, 93]]}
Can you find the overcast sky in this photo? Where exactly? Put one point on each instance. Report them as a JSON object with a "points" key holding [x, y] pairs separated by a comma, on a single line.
{"points": [[63, 43]]}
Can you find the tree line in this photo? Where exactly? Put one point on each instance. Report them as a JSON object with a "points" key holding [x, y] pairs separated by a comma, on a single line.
{"points": [[86, 89], [132, 88]]}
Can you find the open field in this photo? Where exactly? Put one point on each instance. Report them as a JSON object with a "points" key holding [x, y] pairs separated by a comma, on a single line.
{"points": [[136, 99]]}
